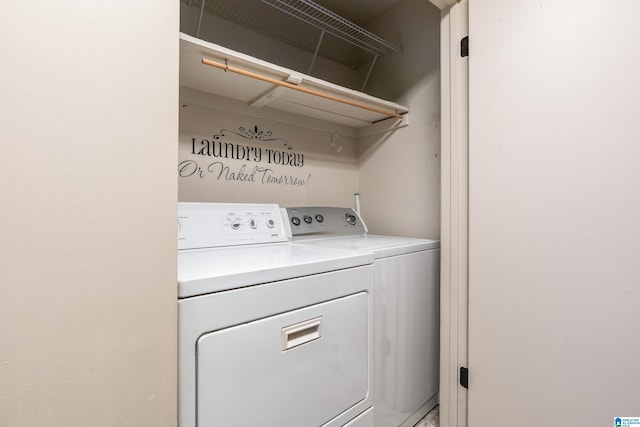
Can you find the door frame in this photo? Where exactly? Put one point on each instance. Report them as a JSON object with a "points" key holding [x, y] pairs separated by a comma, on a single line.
{"points": [[454, 212]]}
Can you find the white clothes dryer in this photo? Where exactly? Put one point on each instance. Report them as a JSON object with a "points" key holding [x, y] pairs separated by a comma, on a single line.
{"points": [[271, 333], [406, 308]]}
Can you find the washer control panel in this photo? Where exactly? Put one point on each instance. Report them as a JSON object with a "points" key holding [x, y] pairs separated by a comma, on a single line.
{"points": [[207, 225], [306, 221]]}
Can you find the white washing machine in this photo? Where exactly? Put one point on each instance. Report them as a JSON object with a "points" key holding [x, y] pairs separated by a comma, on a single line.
{"points": [[406, 308], [271, 333]]}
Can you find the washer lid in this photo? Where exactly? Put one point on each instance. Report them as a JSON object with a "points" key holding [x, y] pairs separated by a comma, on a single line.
{"points": [[380, 246], [202, 271]]}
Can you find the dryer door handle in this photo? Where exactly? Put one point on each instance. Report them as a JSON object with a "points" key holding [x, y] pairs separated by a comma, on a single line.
{"points": [[301, 333]]}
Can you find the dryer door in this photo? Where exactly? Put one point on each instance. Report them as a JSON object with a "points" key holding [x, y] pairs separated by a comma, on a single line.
{"points": [[300, 368]]}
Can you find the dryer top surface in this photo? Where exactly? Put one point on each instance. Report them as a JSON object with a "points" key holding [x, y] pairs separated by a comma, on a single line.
{"points": [[202, 271]]}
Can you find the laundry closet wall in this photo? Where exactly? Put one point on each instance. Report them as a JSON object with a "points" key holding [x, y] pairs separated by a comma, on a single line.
{"points": [[230, 152], [89, 111], [396, 171], [399, 172]]}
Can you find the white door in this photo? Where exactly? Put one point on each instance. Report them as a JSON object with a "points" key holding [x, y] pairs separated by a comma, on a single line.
{"points": [[554, 212]]}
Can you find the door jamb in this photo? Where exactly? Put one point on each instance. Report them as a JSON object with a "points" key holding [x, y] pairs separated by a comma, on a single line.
{"points": [[454, 213]]}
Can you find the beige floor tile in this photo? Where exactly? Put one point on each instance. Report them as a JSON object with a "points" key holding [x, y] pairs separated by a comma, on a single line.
{"points": [[431, 420]]}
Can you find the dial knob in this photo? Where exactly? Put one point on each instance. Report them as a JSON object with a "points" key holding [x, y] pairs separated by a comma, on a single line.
{"points": [[271, 223], [319, 218], [307, 219], [295, 220], [351, 219], [253, 224]]}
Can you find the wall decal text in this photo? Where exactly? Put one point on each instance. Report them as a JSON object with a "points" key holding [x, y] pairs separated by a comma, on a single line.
{"points": [[244, 173], [217, 147], [257, 163]]}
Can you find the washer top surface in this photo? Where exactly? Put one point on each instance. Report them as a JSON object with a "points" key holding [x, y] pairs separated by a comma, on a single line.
{"points": [[202, 271], [379, 246], [343, 228]]}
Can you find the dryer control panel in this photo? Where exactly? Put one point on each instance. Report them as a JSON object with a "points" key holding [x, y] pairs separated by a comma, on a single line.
{"points": [[309, 221], [208, 225]]}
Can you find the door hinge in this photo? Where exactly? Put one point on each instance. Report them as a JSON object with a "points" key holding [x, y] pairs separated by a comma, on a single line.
{"points": [[464, 46], [464, 377]]}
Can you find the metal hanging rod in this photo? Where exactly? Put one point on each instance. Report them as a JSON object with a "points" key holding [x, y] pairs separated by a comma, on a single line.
{"points": [[226, 67]]}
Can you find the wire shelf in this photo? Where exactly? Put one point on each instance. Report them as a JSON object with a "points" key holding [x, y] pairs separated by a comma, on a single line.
{"points": [[322, 18], [259, 15]]}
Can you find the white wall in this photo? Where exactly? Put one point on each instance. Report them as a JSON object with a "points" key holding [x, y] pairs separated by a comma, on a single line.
{"points": [[554, 208], [400, 171], [88, 289]]}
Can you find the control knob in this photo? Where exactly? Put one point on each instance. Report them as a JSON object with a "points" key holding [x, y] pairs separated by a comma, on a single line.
{"points": [[351, 218]]}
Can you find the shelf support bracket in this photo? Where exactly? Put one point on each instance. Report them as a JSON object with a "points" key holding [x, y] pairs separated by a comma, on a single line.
{"points": [[200, 19], [366, 79], [315, 54]]}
